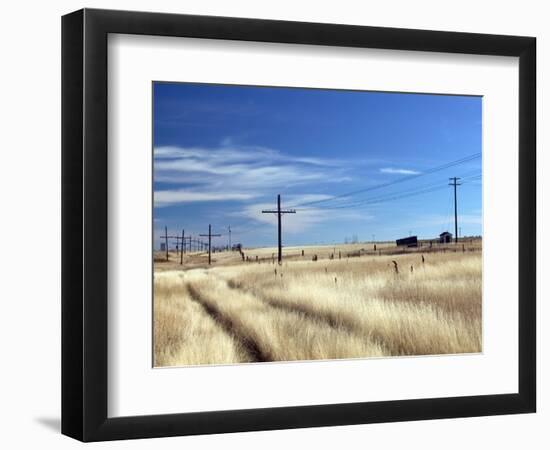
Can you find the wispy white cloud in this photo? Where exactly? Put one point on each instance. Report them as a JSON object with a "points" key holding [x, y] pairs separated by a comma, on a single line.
{"points": [[246, 170], [170, 197], [230, 153], [395, 171], [224, 153]]}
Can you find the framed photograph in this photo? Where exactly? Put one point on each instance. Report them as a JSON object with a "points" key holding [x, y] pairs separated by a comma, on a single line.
{"points": [[272, 224]]}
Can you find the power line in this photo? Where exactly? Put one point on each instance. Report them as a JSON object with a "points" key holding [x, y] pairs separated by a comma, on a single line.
{"points": [[393, 196], [385, 199], [411, 192], [369, 200], [407, 193], [342, 197], [399, 180]]}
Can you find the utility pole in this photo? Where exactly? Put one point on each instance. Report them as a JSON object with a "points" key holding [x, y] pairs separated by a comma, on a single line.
{"points": [[454, 182], [210, 235], [166, 237], [183, 243], [177, 238], [229, 229], [279, 213], [166, 241], [182, 246]]}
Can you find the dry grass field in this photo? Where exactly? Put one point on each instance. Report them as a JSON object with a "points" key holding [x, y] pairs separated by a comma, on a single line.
{"points": [[344, 307]]}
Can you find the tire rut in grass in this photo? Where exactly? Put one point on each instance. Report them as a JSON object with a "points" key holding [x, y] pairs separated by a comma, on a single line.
{"points": [[249, 345], [296, 308], [327, 318]]}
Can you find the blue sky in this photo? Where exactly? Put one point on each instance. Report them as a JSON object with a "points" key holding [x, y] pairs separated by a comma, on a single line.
{"points": [[351, 163]]}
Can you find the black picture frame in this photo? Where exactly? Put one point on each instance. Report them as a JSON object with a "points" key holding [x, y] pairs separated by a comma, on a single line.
{"points": [[84, 224]]}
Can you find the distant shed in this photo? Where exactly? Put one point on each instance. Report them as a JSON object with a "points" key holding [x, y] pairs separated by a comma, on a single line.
{"points": [[411, 241], [445, 238]]}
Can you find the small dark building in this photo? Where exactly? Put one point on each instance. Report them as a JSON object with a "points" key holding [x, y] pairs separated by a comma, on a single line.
{"points": [[411, 241], [445, 238]]}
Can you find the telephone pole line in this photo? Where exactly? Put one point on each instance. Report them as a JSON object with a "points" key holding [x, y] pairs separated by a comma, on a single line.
{"points": [[454, 182], [177, 238], [229, 230], [279, 213], [210, 235]]}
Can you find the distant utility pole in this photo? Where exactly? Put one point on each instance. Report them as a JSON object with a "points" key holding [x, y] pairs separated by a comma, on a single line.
{"points": [[279, 213], [182, 246], [166, 241], [454, 182], [166, 237], [229, 230], [210, 235], [177, 238]]}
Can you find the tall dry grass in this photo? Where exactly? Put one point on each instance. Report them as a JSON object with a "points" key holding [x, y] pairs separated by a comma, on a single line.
{"points": [[184, 334], [320, 310], [280, 334]]}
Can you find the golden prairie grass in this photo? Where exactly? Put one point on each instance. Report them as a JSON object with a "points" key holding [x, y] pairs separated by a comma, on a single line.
{"points": [[331, 309], [183, 333], [280, 334]]}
